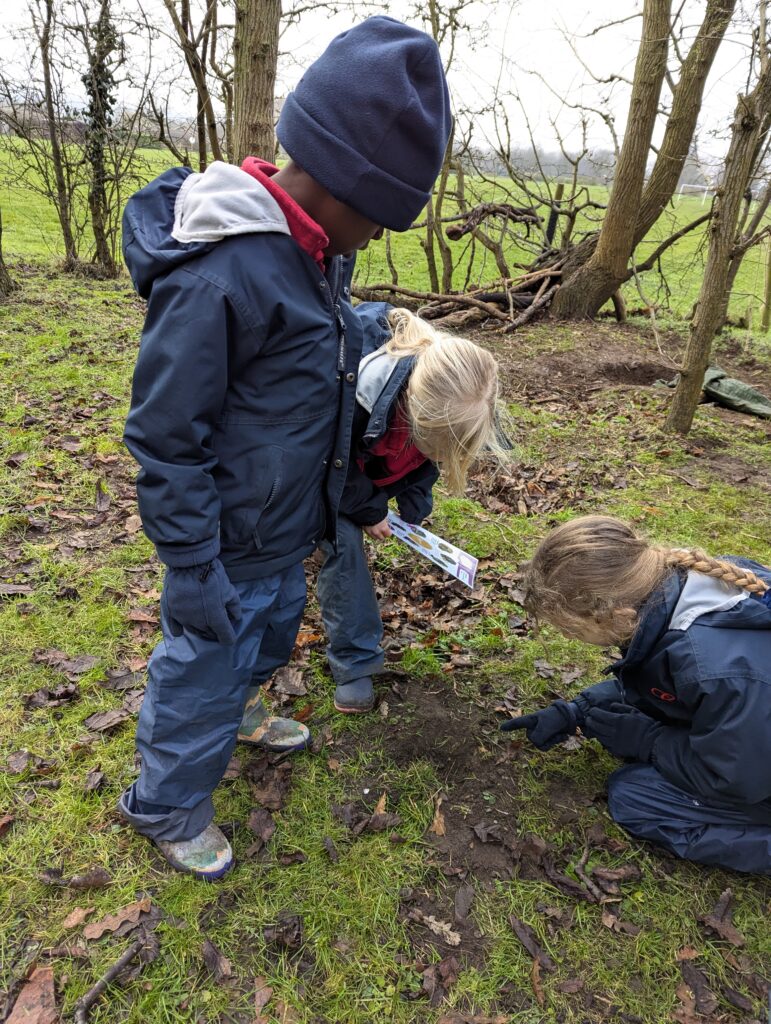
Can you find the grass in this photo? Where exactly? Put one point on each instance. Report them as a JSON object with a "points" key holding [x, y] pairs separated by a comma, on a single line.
{"points": [[67, 347], [31, 230]]}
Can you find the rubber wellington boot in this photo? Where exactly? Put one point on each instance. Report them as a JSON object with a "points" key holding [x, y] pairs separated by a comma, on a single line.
{"points": [[278, 735], [207, 856], [355, 697]]}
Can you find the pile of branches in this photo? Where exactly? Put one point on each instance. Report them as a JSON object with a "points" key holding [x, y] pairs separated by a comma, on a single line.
{"points": [[512, 302]]}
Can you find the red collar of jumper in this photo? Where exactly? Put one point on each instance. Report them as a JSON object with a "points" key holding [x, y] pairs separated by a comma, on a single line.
{"points": [[399, 454], [303, 228]]}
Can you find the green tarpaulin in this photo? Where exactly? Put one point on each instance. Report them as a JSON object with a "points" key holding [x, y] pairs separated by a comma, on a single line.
{"points": [[731, 393]]}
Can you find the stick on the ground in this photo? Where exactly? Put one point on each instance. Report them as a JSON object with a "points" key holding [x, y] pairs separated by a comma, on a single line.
{"points": [[84, 1005], [531, 310]]}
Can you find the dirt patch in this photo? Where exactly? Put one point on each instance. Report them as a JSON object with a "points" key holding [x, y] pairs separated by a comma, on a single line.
{"points": [[634, 372]]}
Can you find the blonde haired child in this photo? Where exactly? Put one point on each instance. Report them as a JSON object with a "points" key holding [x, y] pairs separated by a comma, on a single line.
{"points": [[424, 400], [689, 704]]}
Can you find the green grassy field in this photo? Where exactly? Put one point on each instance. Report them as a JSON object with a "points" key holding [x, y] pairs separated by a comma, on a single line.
{"points": [[88, 586], [31, 231]]}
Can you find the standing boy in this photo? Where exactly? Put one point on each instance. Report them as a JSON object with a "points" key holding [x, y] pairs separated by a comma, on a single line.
{"points": [[243, 400]]}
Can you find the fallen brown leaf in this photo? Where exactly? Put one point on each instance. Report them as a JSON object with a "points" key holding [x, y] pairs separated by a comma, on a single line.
{"points": [[535, 982], [5, 824], [286, 932], [464, 897], [718, 920], [439, 978], [132, 525], [261, 823], [530, 941], [289, 681], [106, 721], [440, 928], [94, 878], [706, 1002], [77, 916], [612, 921], [380, 806], [304, 713], [686, 953], [130, 915], [95, 780], [36, 1003], [218, 965], [263, 994]]}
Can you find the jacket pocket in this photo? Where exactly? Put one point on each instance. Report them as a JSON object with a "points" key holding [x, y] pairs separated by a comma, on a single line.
{"points": [[258, 491]]}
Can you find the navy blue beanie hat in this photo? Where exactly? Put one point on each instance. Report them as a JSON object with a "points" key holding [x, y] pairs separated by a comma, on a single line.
{"points": [[370, 120]]}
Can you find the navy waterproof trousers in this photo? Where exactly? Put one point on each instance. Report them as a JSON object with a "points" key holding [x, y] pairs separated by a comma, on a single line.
{"points": [[643, 802], [349, 608], [195, 697]]}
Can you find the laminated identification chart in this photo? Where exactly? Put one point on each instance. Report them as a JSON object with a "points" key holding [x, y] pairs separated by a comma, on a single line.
{"points": [[457, 563]]}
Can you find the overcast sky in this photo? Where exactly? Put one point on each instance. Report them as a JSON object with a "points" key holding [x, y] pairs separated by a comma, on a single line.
{"points": [[520, 42]]}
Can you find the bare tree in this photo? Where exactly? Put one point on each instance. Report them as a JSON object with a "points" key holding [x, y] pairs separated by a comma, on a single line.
{"points": [[595, 269], [752, 112], [103, 51], [255, 54], [194, 44], [7, 284], [43, 14]]}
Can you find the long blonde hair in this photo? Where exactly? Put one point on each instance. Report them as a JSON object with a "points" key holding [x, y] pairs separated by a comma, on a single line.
{"points": [[594, 573], [451, 397]]}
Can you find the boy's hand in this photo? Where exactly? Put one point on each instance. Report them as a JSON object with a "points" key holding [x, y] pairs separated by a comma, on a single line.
{"points": [[203, 600], [380, 531]]}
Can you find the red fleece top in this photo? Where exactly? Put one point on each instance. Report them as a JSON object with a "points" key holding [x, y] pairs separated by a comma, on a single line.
{"points": [[398, 455], [304, 229]]}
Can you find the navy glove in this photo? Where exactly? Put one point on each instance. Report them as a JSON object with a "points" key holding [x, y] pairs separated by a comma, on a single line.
{"points": [[546, 728], [202, 599], [623, 730]]}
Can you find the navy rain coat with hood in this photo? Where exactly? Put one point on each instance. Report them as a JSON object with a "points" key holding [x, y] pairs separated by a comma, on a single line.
{"points": [[244, 388], [700, 663]]}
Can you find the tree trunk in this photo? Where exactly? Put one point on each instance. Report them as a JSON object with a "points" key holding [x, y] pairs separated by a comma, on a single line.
{"points": [[681, 123], [255, 55], [63, 207], [100, 85], [7, 284], [595, 282], [711, 307]]}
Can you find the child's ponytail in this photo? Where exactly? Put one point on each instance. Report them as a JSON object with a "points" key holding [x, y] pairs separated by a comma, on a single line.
{"points": [[451, 400], [718, 569], [590, 577]]}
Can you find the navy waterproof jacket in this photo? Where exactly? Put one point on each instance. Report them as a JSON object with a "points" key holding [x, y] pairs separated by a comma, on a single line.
{"points": [[244, 389], [700, 663], [365, 502]]}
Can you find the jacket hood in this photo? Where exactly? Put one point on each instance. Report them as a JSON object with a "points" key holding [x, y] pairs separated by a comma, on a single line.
{"points": [[182, 214], [685, 599], [382, 378]]}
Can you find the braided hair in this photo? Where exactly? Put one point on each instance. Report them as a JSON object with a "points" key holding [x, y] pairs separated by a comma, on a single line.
{"points": [[591, 576], [718, 569]]}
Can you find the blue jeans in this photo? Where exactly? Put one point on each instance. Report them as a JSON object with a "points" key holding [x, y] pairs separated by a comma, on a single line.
{"points": [[643, 802], [349, 608], [194, 701]]}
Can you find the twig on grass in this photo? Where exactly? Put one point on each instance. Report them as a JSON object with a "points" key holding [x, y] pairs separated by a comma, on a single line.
{"points": [[595, 891], [84, 1004]]}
